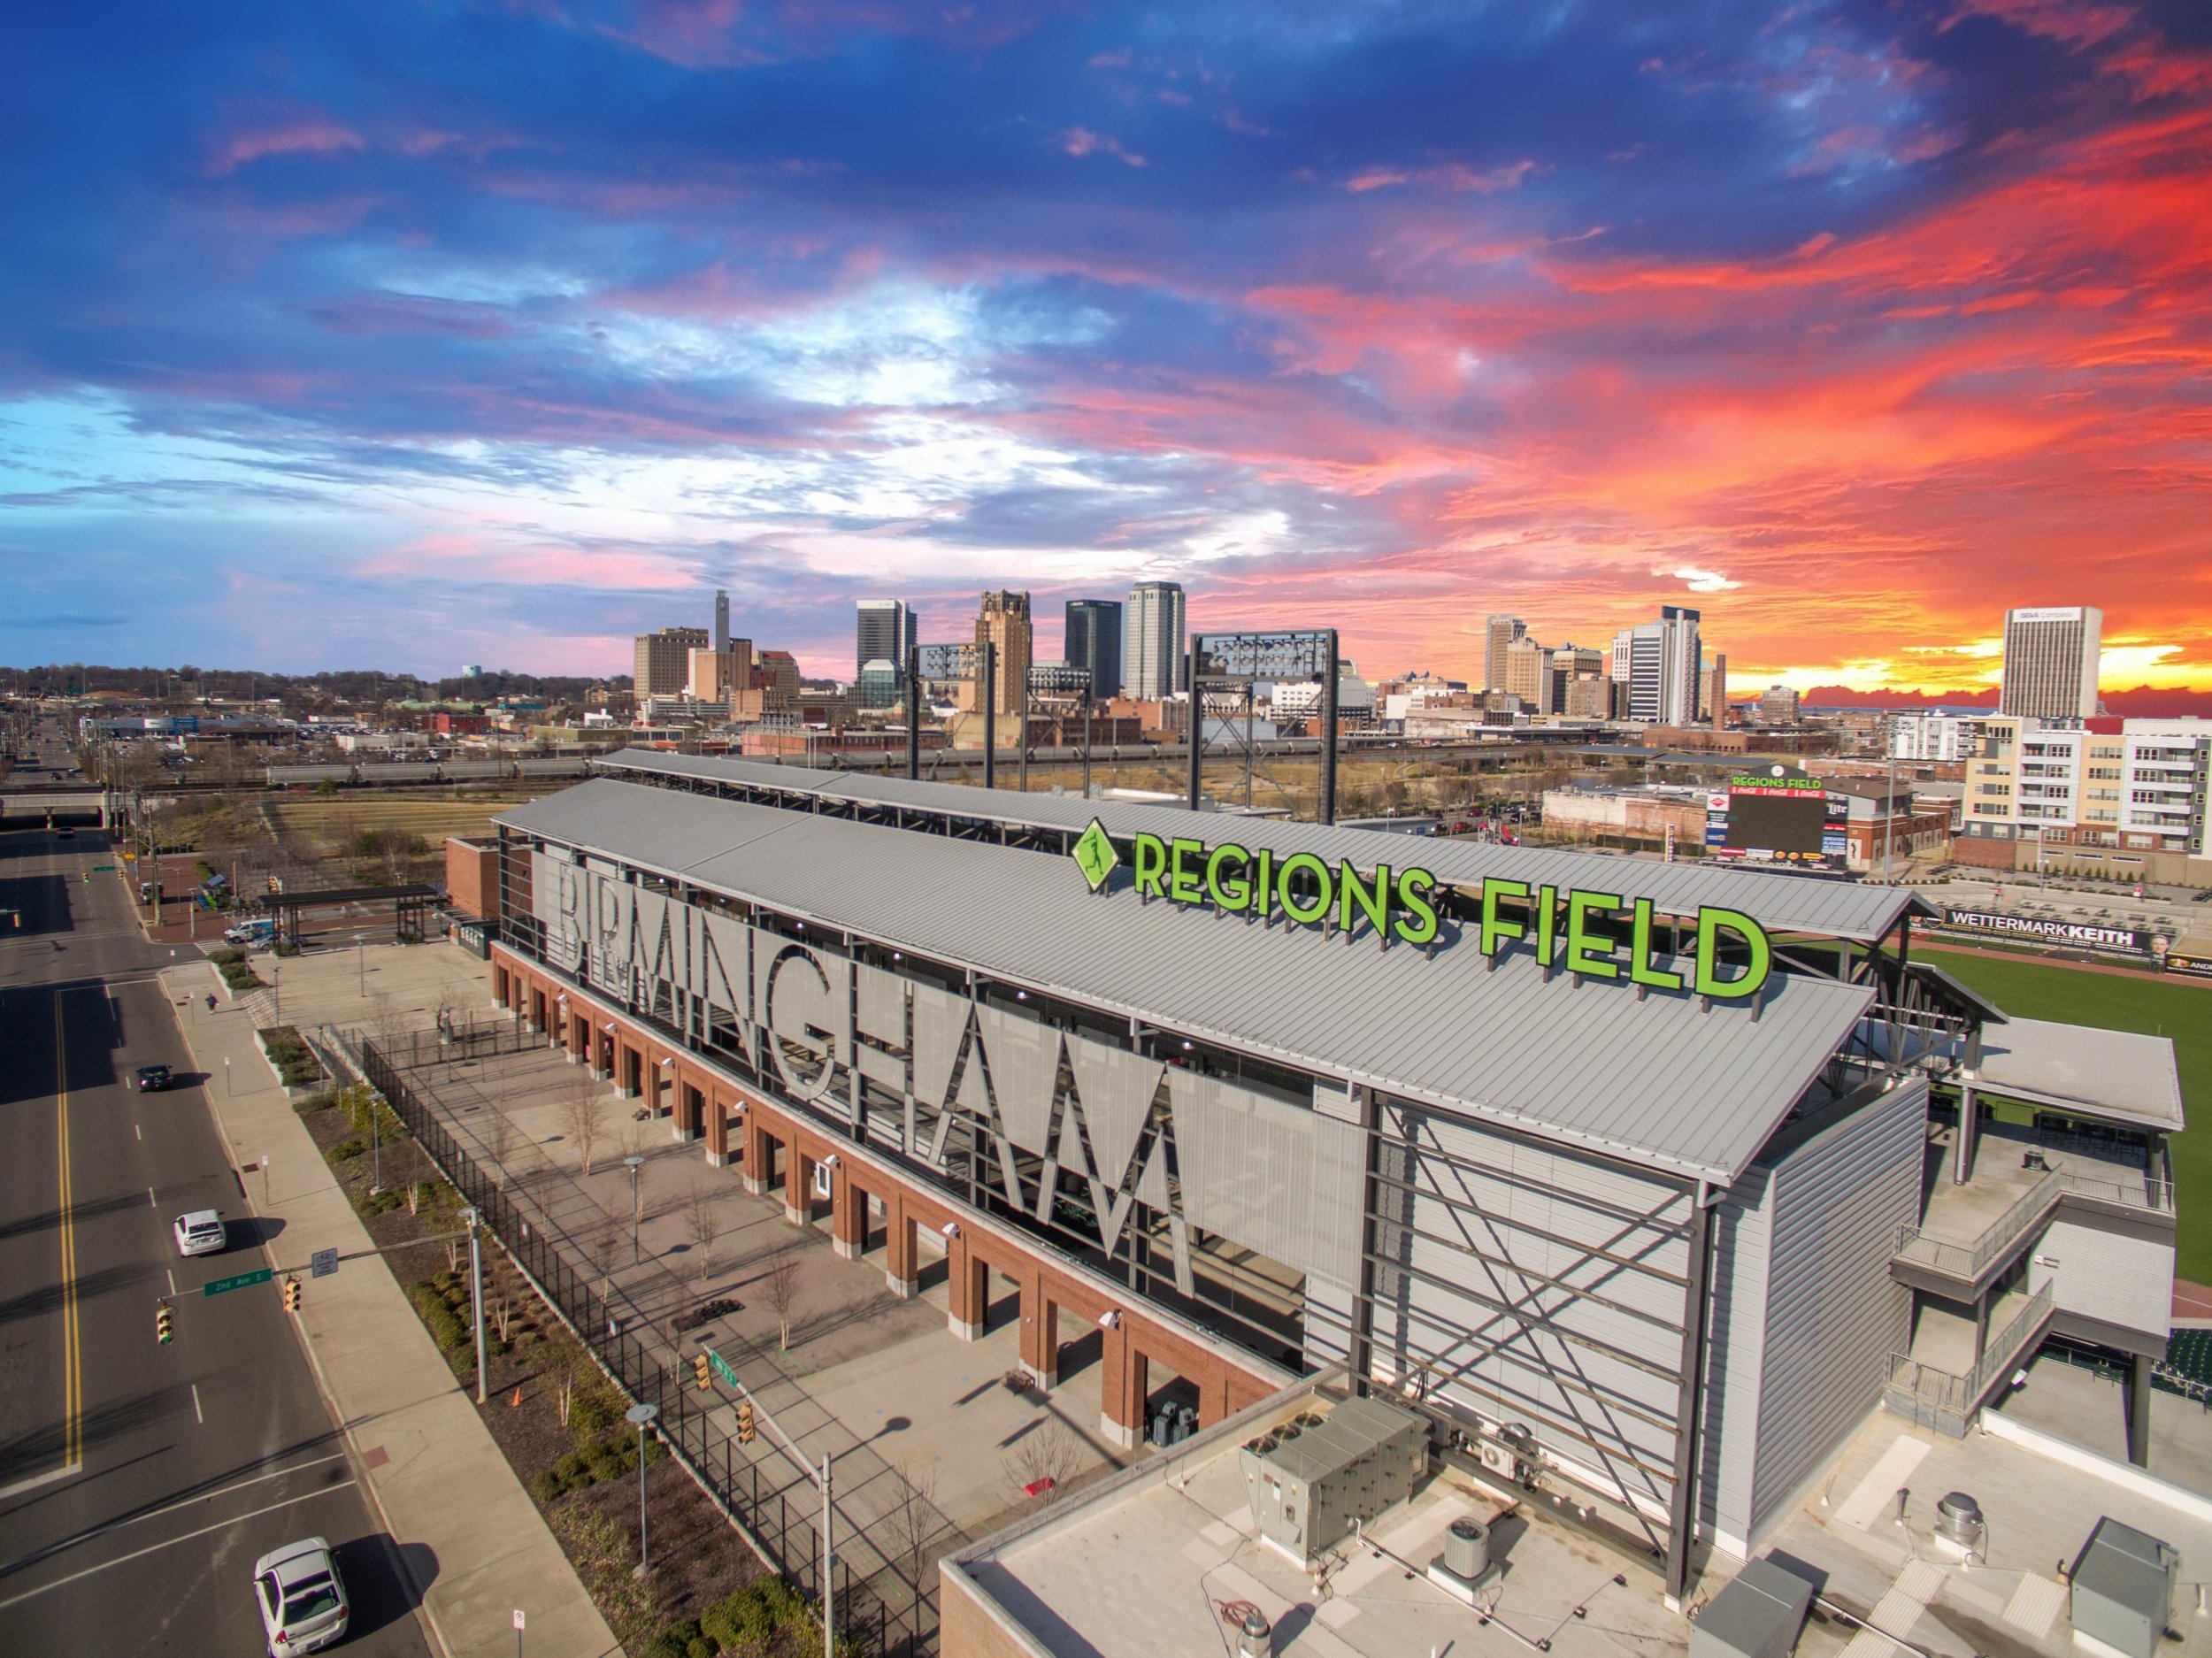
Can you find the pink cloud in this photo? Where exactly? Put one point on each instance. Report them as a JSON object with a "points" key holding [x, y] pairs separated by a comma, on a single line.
{"points": [[1081, 141], [307, 134]]}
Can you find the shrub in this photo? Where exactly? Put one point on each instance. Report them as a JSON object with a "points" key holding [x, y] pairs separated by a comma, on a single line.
{"points": [[595, 1411], [677, 1642], [346, 1151], [226, 956], [756, 1615], [445, 1326]]}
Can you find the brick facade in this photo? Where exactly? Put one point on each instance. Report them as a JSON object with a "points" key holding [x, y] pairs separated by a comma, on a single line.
{"points": [[472, 877], [1061, 1302]]}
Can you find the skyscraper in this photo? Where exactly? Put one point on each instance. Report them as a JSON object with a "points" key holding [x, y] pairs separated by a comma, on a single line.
{"points": [[2051, 656], [1005, 623], [1093, 643], [721, 623], [1665, 660], [1152, 664], [888, 630], [1498, 634], [663, 661]]}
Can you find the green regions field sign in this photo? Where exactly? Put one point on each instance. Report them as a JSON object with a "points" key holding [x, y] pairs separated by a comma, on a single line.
{"points": [[1306, 888]]}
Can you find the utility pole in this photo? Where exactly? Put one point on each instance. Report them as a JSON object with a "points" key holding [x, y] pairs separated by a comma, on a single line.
{"points": [[640, 1417], [829, 1562], [476, 1307], [1889, 806]]}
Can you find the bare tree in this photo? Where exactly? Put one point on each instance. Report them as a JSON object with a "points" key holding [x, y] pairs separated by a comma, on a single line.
{"points": [[704, 1222], [913, 1518], [779, 1284], [606, 1251], [1042, 1461], [499, 1140], [584, 1114]]}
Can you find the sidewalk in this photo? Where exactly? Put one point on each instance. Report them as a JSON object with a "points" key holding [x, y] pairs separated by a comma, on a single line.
{"points": [[429, 1463]]}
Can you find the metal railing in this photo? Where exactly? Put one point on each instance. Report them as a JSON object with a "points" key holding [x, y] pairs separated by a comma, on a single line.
{"points": [[1968, 1261], [906, 1626], [1938, 1398]]}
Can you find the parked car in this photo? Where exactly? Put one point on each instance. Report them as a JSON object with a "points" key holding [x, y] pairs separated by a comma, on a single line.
{"points": [[302, 1597], [201, 1232], [155, 1079], [250, 932]]}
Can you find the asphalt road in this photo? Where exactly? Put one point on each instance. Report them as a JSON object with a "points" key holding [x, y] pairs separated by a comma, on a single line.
{"points": [[138, 1482]]}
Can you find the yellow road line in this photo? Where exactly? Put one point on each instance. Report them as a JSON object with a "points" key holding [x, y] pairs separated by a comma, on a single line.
{"points": [[73, 1371]]}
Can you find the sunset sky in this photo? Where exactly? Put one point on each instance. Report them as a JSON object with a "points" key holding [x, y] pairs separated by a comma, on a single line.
{"points": [[410, 335]]}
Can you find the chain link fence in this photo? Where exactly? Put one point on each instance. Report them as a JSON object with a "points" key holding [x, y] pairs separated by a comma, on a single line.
{"points": [[906, 1626]]}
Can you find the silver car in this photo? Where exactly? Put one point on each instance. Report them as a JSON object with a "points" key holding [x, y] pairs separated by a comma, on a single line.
{"points": [[302, 1597], [200, 1232]]}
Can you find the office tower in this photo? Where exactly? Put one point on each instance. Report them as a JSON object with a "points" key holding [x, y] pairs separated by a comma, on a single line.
{"points": [[1528, 675], [1712, 691], [1005, 623], [709, 679], [1498, 634], [663, 661], [1778, 706], [887, 629], [1152, 664], [1663, 661], [721, 623], [1093, 643], [2050, 670]]}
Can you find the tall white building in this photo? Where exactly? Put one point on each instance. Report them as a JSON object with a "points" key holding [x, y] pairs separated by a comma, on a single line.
{"points": [[1152, 664], [1664, 662], [2050, 670]]}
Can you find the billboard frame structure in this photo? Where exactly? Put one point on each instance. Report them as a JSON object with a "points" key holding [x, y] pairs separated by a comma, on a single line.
{"points": [[1230, 663]]}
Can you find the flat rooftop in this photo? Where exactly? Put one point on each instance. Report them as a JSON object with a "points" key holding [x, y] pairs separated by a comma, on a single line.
{"points": [[1145, 1562]]}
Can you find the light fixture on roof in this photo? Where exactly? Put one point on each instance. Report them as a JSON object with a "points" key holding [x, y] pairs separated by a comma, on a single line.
{"points": [[1187, 1045], [1110, 1319], [1021, 996], [952, 1229]]}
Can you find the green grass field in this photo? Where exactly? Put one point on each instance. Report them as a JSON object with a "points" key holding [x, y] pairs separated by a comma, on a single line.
{"points": [[2179, 1009]]}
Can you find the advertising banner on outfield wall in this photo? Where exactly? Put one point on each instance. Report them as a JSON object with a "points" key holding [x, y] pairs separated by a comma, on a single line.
{"points": [[2050, 930], [2195, 966]]}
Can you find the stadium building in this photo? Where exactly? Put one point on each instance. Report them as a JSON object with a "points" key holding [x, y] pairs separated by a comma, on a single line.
{"points": [[1652, 1171]]}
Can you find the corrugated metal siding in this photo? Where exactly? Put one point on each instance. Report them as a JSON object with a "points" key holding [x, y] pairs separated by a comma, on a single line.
{"points": [[2122, 1280], [1833, 1314], [1695, 1089], [1470, 1250], [1742, 1244], [1783, 902]]}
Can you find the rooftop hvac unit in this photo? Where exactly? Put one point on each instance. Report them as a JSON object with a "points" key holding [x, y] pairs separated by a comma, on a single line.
{"points": [[1465, 1565], [1312, 1479], [1759, 1615], [2122, 1590]]}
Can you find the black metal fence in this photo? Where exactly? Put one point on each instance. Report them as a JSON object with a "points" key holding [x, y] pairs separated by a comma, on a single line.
{"points": [[458, 1038], [784, 1531]]}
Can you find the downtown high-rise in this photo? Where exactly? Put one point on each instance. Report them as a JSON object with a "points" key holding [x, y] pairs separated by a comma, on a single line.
{"points": [[1094, 644], [885, 630], [2050, 670], [1152, 664]]}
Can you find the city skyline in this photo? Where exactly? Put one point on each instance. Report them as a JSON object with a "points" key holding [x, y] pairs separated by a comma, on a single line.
{"points": [[332, 346]]}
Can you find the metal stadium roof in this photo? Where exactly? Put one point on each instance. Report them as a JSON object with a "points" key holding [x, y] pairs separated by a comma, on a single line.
{"points": [[1661, 1080], [2118, 1075], [1780, 903]]}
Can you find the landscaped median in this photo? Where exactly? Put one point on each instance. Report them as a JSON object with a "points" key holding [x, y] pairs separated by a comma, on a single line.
{"points": [[555, 1415], [232, 967], [289, 1057]]}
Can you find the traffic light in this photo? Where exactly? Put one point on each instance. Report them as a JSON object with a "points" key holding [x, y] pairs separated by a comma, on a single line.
{"points": [[744, 1422], [699, 1368], [292, 1296], [165, 1323]]}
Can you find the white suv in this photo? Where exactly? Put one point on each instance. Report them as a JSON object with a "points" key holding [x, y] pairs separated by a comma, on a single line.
{"points": [[201, 1232], [302, 1597]]}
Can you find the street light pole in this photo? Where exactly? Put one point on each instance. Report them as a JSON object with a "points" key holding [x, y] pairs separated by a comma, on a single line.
{"points": [[633, 1164], [640, 1417], [829, 1561], [476, 1296]]}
